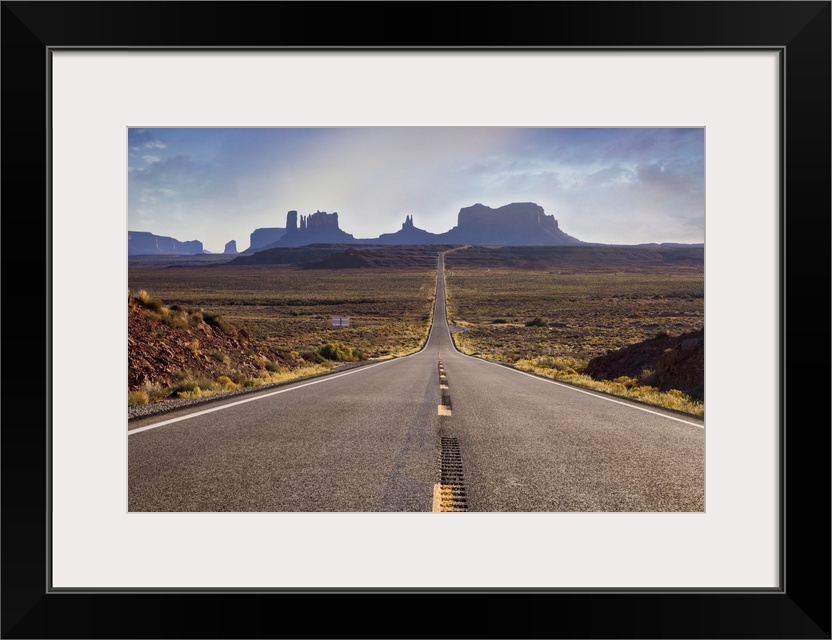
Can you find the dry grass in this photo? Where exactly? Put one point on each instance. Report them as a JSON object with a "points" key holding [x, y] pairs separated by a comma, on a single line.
{"points": [[553, 323], [623, 387], [390, 310], [587, 314], [571, 316]]}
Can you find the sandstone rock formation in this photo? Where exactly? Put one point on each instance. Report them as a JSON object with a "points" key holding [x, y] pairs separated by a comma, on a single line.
{"points": [[262, 238], [231, 248], [519, 223], [408, 234], [516, 224], [315, 228], [146, 243]]}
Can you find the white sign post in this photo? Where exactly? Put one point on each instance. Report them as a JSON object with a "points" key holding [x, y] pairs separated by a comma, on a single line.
{"points": [[338, 321]]}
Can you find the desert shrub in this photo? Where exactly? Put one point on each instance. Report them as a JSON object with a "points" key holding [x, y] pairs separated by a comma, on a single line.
{"points": [[338, 352], [195, 318], [198, 392], [155, 392], [228, 383], [219, 356], [137, 397], [628, 382], [498, 321], [189, 384], [648, 377], [550, 366], [217, 321], [176, 320], [661, 334], [193, 346], [274, 367], [183, 386], [558, 363], [536, 322], [309, 355], [144, 299]]}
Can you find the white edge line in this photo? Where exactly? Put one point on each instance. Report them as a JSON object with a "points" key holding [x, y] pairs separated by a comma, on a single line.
{"points": [[130, 432], [594, 395], [560, 384]]}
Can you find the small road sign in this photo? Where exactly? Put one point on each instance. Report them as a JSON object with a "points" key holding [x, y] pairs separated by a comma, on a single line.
{"points": [[338, 321]]}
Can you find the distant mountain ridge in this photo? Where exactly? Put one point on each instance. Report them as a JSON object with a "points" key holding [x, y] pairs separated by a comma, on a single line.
{"points": [[261, 238], [563, 259], [515, 224], [316, 228], [146, 243]]}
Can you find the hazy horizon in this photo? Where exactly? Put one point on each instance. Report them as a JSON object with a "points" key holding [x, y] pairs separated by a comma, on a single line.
{"points": [[606, 185]]}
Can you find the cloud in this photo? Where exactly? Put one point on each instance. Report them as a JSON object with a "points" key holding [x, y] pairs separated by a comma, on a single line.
{"points": [[649, 202], [603, 185], [148, 196], [182, 176], [139, 139], [610, 177]]}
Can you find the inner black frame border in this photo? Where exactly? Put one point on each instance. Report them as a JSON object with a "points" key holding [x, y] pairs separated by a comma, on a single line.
{"points": [[799, 31]]}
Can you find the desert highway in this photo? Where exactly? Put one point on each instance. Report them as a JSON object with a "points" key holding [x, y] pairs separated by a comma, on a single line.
{"points": [[435, 431]]}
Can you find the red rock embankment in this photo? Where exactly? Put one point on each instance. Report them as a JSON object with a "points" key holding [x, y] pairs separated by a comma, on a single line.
{"points": [[665, 362]]}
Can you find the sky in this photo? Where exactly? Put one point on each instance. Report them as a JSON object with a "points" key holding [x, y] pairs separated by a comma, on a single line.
{"points": [[608, 185]]}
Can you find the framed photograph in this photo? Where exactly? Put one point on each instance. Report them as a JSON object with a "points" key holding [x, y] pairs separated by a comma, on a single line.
{"points": [[373, 331], [82, 80]]}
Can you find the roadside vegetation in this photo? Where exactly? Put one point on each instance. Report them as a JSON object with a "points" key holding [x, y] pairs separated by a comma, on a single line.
{"points": [[187, 353], [389, 310], [196, 331], [552, 323], [207, 331]]}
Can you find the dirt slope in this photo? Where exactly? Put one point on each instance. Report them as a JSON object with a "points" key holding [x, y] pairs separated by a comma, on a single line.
{"points": [[163, 343], [666, 362]]}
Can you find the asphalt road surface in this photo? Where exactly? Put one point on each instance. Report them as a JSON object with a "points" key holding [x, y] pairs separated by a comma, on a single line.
{"points": [[435, 431]]}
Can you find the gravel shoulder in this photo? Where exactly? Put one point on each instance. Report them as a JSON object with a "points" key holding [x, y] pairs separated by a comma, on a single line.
{"points": [[137, 411]]}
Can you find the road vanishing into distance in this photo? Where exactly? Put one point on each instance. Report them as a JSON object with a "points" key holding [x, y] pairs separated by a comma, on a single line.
{"points": [[434, 431]]}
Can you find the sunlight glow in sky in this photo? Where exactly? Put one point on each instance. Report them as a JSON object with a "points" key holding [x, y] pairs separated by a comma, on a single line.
{"points": [[616, 186]]}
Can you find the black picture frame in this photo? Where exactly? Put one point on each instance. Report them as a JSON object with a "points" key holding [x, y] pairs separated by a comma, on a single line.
{"points": [[799, 608]]}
